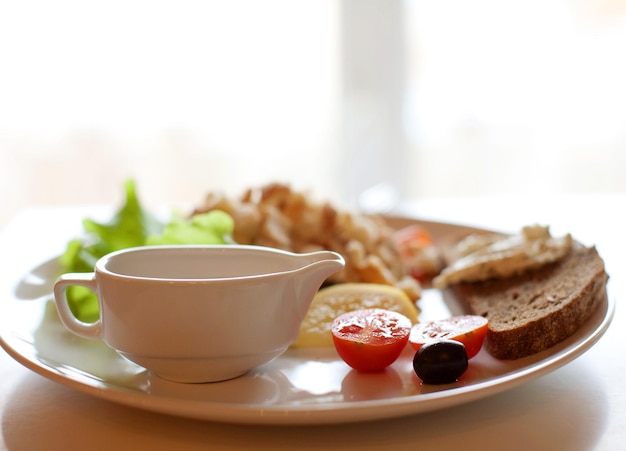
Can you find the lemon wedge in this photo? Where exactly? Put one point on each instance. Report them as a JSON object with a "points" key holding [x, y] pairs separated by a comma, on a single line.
{"points": [[332, 301]]}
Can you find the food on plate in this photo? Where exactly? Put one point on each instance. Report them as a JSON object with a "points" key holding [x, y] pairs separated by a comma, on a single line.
{"points": [[335, 300], [273, 215], [534, 289], [421, 256], [370, 340], [440, 362], [276, 215], [534, 309], [481, 257], [470, 330]]}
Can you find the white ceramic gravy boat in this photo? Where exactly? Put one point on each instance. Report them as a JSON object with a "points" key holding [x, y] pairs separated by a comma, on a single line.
{"points": [[199, 313]]}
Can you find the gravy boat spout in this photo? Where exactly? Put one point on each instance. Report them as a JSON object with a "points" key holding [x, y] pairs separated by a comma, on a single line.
{"points": [[317, 266]]}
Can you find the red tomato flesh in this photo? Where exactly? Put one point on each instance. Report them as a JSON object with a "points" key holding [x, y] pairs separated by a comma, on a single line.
{"points": [[470, 330], [370, 340]]}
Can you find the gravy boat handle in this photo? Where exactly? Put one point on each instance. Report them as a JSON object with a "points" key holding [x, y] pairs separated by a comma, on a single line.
{"points": [[73, 324]]}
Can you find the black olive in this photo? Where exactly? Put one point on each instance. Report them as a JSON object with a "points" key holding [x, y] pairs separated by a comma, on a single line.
{"points": [[440, 362]]}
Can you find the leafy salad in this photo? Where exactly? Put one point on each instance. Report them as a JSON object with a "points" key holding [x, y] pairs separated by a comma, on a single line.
{"points": [[133, 226]]}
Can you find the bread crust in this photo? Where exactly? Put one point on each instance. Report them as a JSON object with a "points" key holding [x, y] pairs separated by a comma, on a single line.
{"points": [[531, 312]]}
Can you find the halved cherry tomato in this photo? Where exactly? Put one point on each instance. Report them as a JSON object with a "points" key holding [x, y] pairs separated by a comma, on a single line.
{"points": [[470, 330], [370, 339]]}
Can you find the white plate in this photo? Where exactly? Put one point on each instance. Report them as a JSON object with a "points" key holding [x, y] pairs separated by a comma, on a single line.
{"points": [[301, 387]]}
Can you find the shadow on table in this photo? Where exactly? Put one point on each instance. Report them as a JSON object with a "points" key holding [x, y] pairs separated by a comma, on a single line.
{"points": [[564, 410]]}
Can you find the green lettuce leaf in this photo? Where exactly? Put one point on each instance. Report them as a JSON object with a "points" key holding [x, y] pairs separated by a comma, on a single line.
{"points": [[213, 227], [132, 226], [129, 227]]}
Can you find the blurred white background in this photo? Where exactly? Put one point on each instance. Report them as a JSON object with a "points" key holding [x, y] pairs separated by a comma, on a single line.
{"points": [[437, 99]]}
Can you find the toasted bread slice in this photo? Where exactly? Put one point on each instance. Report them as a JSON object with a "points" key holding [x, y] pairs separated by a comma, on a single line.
{"points": [[531, 312]]}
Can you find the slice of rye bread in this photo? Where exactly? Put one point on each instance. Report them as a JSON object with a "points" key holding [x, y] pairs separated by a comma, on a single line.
{"points": [[531, 312]]}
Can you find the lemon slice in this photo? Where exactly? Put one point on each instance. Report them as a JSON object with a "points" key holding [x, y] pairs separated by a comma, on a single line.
{"points": [[332, 301]]}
